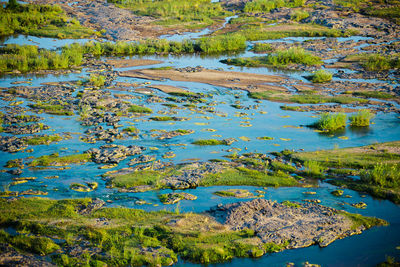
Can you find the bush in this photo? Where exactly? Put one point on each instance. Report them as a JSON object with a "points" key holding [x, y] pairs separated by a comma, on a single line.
{"points": [[321, 76], [383, 175], [362, 118], [331, 121]]}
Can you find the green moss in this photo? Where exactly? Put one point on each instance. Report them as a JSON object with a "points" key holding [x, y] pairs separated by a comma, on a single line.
{"points": [[162, 118], [139, 109], [56, 160], [131, 129]]}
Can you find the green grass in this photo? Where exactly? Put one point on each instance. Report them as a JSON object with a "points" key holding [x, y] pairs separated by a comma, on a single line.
{"points": [[41, 20], [244, 176], [278, 59], [209, 142], [330, 121], [290, 204], [131, 129], [97, 80], [262, 47], [139, 109], [196, 13], [359, 220], [43, 140], [383, 175], [54, 109], [56, 160], [299, 15], [147, 177], [373, 94], [314, 168], [305, 98], [268, 5], [262, 32], [361, 118], [30, 58], [321, 76], [375, 62], [162, 118]]}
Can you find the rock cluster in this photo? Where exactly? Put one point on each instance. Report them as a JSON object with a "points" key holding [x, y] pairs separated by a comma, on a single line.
{"points": [[111, 154], [301, 225]]}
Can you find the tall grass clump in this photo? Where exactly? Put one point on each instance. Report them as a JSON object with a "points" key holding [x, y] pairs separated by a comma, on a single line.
{"points": [[313, 168], [30, 58], [383, 175], [331, 121], [321, 76], [97, 80], [279, 59], [299, 15], [361, 118]]}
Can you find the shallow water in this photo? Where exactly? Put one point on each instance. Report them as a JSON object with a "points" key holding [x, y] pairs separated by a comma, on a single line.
{"points": [[268, 119]]}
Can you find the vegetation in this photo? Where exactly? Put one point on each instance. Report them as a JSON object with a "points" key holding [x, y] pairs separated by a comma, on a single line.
{"points": [[304, 98], [299, 15], [54, 109], [245, 176], [362, 118], [187, 12], [262, 47], [264, 32], [139, 109], [321, 76], [279, 59], [30, 58], [377, 165], [40, 20], [331, 121], [383, 175], [209, 142], [313, 168], [268, 5], [373, 94], [375, 62], [43, 140], [97, 80], [55, 160]]}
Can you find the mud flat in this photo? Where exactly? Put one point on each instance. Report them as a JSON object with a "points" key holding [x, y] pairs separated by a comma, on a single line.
{"points": [[126, 63]]}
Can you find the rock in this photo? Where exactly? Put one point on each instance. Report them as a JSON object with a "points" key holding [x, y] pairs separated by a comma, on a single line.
{"points": [[113, 154], [302, 224], [10, 257], [337, 193], [359, 205], [173, 198], [95, 204]]}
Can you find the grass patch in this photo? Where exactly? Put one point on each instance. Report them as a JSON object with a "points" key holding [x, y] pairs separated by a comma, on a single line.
{"points": [[192, 12], [375, 62], [359, 220], [147, 177], [209, 142], [268, 5], [330, 121], [263, 32], [43, 140], [383, 175], [162, 118], [321, 76], [54, 109], [97, 80], [30, 58], [279, 59], [373, 94], [139, 109], [40, 20], [56, 160], [304, 98], [244, 176], [262, 47], [361, 118]]}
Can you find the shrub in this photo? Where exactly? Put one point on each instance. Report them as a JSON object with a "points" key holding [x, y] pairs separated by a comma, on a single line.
{"points": [[362, 118], [331, 121], [321, 76]]}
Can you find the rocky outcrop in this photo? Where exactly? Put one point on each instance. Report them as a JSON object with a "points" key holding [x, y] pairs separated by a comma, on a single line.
{"points": [[111, 154], [301, 225], [10, 257]]}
